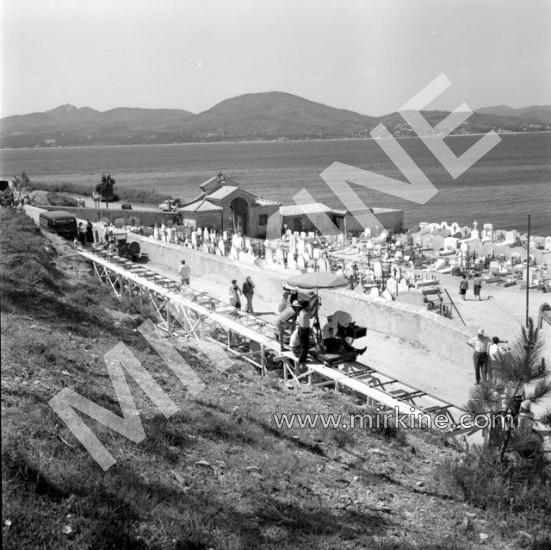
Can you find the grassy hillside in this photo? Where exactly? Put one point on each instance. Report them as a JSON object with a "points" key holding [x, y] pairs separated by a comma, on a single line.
{"points": [[217, 474]]}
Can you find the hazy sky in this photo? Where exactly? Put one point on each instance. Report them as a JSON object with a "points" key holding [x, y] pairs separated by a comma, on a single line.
{"points": [[365, 55]]}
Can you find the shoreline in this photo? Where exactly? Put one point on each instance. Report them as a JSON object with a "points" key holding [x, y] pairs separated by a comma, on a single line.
{"points": [[252, 141]]}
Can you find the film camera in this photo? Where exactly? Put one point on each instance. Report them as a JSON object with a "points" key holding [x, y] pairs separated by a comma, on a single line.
{"points": [[354, 331]]}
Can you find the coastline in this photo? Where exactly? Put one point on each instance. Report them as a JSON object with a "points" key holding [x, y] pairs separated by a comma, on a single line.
{"points": [[252, 141]]}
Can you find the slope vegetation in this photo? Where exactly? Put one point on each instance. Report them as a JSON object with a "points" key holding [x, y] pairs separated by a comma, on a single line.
{"points": [[217, 474]]}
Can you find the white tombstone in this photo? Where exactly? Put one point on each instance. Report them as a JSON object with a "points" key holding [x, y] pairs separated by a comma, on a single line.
{"points": [[377, 269], [279, 257], [488, 231], [292, 244], [303, 235], [450, 243], [354, 241], [291, 263], [233, 253], [510, 237], [308, 249], [156, 233], [340, 238], [269, 256], [221, 247], [169, 232], [194, 239], [464, 247], [248, 245], [454, 228], [300, 262], [225, 235], [239, 242], [322, 265], [300, 247], [386, 295], [367, 232], [392, 286], [316, 253], [475, 234], [547, 245], [402, 286], [374, 292]]}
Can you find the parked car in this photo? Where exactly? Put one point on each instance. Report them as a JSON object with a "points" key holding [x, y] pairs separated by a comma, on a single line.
{"points": [[59, 222], [170, 205], [126, 206]]}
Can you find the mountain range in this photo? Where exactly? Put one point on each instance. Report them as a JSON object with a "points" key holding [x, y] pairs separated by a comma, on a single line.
{"points": [[258, 116]]}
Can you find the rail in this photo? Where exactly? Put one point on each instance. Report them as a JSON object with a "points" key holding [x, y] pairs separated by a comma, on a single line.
{"points": [[185, 312]]}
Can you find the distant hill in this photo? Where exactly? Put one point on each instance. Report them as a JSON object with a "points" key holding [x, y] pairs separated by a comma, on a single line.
{"points": [[276, 114], [259, 116], [69, 125], [536, 113]]}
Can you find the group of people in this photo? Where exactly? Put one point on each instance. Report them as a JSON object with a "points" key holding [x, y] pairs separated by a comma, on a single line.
{"points": [[235, 291], [298, 313], [464, 286], [88, 234], [85, 233], [487, 352], [247, 290]]}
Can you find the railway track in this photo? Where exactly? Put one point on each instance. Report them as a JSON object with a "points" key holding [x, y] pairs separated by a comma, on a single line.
{"points": [[185, 312]]}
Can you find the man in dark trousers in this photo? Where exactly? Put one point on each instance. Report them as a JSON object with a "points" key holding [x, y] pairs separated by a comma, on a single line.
{"points": [[480, 343], [248, 292], [463, 287], [185, 273], [477, 285]]}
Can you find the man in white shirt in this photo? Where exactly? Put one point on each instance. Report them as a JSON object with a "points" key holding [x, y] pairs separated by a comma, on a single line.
{"points": [[480, 343], [185, 273], [496, 354]]}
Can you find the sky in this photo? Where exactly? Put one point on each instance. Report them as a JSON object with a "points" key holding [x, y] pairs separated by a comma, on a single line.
{"points": [[369, 56]]}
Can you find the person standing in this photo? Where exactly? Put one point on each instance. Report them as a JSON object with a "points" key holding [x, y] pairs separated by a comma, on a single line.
{"points": [[185, 273], [480, 343], [235, 300], [248, 292], [89, 232], [477, 285], [463, 287], [495, 356]]}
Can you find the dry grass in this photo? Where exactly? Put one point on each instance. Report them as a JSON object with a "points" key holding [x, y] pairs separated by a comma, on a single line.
{"points": [[218, 473]]}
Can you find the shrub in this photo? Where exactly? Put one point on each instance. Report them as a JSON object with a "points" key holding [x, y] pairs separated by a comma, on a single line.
{"points": [[480, 478]]}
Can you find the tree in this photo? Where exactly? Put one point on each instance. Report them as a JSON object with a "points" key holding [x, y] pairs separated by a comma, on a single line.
{"points": [[500, 397], [105, 188]]}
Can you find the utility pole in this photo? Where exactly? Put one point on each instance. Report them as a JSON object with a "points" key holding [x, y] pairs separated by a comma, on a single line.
{"points": [[528, 272]]}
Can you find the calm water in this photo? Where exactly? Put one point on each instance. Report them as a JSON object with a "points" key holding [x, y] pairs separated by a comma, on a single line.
{"points": [[514, 179]]}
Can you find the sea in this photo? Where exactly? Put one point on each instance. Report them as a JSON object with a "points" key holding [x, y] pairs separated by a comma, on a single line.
{"points": [[502, 188]]}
